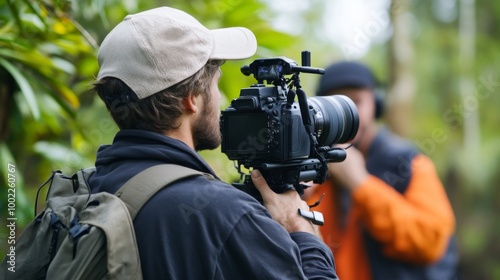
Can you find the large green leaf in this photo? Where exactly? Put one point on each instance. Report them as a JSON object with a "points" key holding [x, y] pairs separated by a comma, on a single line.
{"points": [[24, 86]]}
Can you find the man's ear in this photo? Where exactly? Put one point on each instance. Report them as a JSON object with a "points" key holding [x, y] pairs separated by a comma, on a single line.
{"points": [[191, 103]]}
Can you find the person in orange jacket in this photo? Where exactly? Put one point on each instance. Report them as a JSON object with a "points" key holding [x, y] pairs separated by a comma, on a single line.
{"points": [[386, 212]]}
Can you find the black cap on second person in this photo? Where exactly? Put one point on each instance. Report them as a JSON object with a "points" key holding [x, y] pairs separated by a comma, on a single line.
{"points": [[345, 74]]}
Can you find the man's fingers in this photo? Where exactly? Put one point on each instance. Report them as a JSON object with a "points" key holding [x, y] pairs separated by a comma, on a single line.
{"points": [[260, 183]]}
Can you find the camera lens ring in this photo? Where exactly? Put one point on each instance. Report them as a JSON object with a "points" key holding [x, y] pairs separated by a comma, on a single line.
{"points": [[323, 118], [351, 117], [336, 119]]}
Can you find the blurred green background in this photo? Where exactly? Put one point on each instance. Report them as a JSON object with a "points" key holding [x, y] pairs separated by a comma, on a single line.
{"points": [[438, 61]]}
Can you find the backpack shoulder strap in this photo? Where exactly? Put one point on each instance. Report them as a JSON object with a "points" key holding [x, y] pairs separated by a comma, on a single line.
{"points": [[140, 188]]}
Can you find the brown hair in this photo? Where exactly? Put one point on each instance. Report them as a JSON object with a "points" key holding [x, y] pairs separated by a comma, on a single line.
{"points": [[158, 112]]}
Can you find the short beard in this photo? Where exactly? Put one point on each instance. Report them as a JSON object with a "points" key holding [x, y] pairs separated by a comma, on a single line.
{"points": [[206, 131], [206, 139]]}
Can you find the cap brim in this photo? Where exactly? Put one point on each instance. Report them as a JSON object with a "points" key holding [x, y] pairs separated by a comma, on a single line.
{"points": [[233, 43]]}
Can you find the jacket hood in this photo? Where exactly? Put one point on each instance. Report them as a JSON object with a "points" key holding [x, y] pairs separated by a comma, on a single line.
{"points": [[135, 150]]}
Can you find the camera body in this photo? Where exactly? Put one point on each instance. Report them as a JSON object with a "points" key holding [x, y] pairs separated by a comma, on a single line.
{"points": [[288, 141], [260, 126]]}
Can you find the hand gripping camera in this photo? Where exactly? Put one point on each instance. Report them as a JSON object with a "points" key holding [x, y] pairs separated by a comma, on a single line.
{"points": [[289, 142]]}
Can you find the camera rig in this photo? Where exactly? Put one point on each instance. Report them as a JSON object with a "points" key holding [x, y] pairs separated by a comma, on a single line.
{"points": [[266, 129]]}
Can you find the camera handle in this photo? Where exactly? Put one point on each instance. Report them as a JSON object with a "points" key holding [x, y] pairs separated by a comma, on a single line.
{"points": [[314, 216], [248, 187]]}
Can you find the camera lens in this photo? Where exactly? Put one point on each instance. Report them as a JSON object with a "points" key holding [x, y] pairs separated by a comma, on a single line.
{"points": [[336, 119]]}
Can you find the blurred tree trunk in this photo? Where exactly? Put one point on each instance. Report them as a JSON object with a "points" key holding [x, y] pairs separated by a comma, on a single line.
{"points": [[402, 87], [470, 103]]}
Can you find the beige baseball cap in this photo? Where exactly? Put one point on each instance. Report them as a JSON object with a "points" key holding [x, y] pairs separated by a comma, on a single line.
{"points": [[156, 49]]}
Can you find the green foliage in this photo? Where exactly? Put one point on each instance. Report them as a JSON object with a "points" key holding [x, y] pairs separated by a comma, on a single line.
{"points": [[40, 47], [469, 172]]}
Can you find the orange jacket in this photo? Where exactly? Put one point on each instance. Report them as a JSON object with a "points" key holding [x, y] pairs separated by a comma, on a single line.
{"points": [[413, 227]]}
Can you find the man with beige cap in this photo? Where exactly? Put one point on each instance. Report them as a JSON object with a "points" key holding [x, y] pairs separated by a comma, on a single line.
{"points": [[158, 77]]}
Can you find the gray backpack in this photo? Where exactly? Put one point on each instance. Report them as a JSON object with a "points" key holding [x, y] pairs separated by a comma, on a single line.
{"points": [[80, 235]]}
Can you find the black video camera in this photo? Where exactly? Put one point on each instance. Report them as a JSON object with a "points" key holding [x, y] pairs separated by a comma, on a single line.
{"points": [[289, 142]]}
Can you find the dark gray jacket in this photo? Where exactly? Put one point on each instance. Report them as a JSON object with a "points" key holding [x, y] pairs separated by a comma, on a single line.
{"points": [[201, 229]]}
